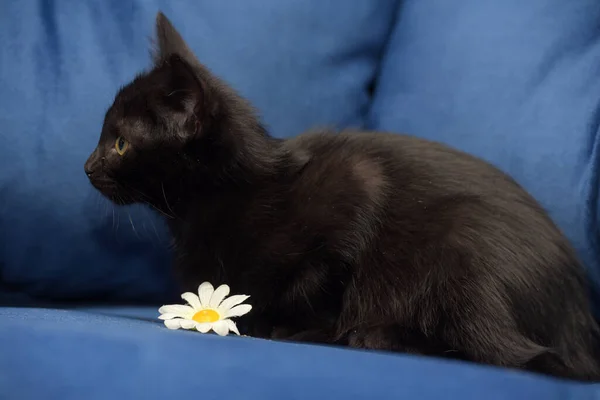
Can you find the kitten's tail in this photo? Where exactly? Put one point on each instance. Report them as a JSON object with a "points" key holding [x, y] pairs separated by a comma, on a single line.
{"points": [[576, 357], [584, 360], [596, 351]]}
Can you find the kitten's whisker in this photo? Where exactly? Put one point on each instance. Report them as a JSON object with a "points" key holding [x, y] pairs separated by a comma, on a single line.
{"points": [[97, 200], [159, 210], [106, 206], [162, 186], [147, 233], [151, 221], [132, 226], [146, 199], [179, 91], [130, 188], [222, 265], [155, 231]]}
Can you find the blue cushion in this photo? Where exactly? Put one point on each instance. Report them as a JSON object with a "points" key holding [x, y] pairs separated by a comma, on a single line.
{"points": [[61, 62], [515, 82], [97, 354]]}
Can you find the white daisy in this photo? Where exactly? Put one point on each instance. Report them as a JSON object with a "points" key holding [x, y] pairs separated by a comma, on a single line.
{"points": [[210, 309]]}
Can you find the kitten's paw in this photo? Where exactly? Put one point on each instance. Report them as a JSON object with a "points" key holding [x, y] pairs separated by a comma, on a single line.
{"points": [[371, 338], [386, 337], [257, 328], [307, 336]]}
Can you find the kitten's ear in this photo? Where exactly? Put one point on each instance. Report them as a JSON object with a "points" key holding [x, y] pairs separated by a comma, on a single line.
{"points": [[169, 42], [185, 92], [184, 95]]}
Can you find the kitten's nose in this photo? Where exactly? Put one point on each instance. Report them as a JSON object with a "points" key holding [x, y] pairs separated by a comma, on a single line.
{"points": [[89, 165]]}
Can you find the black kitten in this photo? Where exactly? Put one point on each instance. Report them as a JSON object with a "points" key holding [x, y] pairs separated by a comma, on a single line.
{"points": [[365, 239]]}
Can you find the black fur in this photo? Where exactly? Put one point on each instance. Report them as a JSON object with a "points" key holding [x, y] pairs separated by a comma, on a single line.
{"points": [[370, 240]]}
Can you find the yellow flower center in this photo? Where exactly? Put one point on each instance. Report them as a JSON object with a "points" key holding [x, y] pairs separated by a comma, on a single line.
{"points": [[208, 315]]}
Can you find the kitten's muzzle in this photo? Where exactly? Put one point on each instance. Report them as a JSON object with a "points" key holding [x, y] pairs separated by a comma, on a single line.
{"points": [[93, 164]]}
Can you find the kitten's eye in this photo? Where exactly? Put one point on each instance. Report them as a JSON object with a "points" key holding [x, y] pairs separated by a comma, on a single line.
{"points": [[121, 145]]}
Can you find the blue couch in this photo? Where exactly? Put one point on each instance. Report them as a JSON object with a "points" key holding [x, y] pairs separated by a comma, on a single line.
{"points": [[515, 82]]}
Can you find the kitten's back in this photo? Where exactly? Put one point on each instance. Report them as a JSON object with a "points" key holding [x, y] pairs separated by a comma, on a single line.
{"points": [[465, 233]]}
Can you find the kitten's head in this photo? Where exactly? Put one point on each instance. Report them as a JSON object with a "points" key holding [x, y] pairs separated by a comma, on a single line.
{"points": [[173, 125]]}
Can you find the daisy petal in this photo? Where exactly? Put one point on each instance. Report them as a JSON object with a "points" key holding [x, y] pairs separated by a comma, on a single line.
{"points": [[232, 301], [203, 328], [220, 293], [232, 326], [187, 324], [173, 323], [238, 311], [221, 328], [168, 316], [179, 309], [205, 292], [192, 300]]}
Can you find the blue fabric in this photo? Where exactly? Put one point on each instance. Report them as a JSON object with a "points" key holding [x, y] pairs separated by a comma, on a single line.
{"points": [[96, 354], [61, 62], [515, 82]]}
